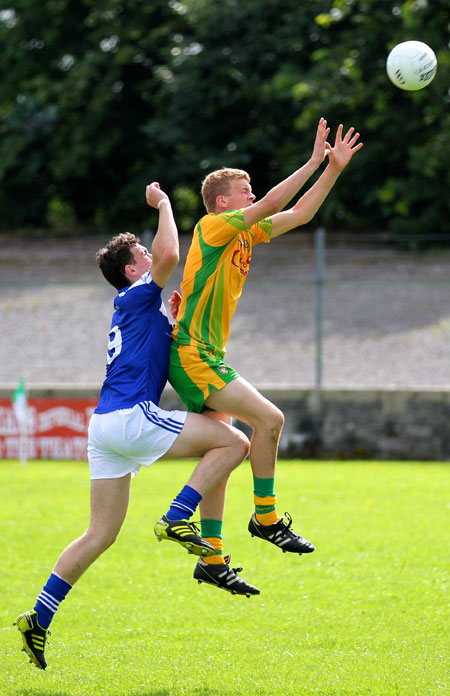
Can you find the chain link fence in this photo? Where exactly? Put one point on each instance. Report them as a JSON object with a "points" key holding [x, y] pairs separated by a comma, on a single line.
{"points": [[318, 310], [333, 310]]}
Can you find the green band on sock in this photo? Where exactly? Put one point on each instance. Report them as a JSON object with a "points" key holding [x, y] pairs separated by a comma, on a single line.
{"points": [[211, 528], [263, 509], [263, 486]]}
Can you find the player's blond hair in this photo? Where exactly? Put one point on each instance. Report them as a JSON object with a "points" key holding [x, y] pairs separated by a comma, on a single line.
{"points": [[217, 183]]}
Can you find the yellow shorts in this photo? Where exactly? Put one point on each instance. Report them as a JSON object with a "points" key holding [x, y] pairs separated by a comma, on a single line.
{"points": [[194, 372]]}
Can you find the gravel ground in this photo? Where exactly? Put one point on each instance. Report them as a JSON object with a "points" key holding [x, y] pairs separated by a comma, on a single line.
{"points": [[386, 315]]}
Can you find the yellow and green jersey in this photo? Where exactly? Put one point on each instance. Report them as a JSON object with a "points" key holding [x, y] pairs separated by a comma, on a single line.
{"points": [[216, 268]]}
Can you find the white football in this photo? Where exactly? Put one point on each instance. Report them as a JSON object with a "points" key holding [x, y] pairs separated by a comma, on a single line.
{"points": [[411, 65]]}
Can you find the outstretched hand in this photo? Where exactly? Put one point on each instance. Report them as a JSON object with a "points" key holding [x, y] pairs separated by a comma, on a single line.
{"points": [[344, 148], [319, 150]]}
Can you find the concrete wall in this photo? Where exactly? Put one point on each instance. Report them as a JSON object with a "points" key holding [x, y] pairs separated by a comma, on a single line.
{"points": [[384, 424], [365, 423]]}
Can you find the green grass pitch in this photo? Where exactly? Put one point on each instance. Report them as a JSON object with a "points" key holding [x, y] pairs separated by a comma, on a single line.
{"points": [[365, 614]]}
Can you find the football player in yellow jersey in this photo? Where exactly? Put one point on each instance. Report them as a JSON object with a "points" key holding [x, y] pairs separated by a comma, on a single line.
{"points": [[215, 271]]}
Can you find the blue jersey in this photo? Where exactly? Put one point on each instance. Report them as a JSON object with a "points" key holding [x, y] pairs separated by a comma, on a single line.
{"points": [[138, 348]]}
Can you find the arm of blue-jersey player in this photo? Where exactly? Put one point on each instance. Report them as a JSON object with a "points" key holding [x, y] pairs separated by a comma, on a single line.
{"points": [[165, 247]]}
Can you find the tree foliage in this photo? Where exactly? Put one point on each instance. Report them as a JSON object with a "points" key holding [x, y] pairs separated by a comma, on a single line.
{"points": [[100, 97]]}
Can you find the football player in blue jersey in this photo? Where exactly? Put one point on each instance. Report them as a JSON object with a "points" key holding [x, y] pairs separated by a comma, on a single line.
{"points": [[128, 429]]}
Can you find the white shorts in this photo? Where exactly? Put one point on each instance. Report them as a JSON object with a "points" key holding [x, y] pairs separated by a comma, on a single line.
{"points": [[120, 442]]}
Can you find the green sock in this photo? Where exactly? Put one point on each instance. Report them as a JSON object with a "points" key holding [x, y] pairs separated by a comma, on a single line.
{"points": [[265, 500], [212, 532], [263, 486], [211, 528]]}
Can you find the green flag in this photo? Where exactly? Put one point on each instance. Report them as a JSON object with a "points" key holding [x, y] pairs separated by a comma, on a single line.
{"points": [[20, 404]]}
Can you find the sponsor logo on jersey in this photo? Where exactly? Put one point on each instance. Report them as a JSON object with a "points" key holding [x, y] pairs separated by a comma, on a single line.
{"points": [[242, 257]]}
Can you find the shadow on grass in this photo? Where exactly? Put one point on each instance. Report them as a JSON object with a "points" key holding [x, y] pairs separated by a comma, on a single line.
{"points": [[40, 692], [205, 691], [146, 692], [195, 691]]}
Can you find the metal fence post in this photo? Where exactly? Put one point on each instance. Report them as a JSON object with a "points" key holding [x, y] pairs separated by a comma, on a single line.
{"points": [[147, 238], [319, 244]]}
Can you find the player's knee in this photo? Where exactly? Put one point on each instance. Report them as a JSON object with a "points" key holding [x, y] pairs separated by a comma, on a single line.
{"points": [[273, 421], [239, 447], [267, 419], [280, 420], [242, 446]]}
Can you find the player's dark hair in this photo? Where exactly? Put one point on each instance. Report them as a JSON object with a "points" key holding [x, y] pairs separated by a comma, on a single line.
{"points": [[113, 258]]}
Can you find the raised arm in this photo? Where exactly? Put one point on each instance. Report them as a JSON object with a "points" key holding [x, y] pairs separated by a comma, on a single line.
{"points": [[282, 193], [165, 247], [307, 206]]}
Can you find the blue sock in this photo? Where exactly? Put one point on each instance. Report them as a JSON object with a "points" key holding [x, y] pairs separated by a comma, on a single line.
{"points": [[184, 505], [53, 592]]}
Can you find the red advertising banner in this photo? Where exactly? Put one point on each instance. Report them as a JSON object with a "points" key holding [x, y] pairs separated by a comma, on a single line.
{"points": [[54, 429]]}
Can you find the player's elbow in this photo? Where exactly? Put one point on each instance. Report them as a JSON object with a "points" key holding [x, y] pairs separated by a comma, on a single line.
{"points": [[163, 267], [304, 219], [301, 217], [173, 257]]}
